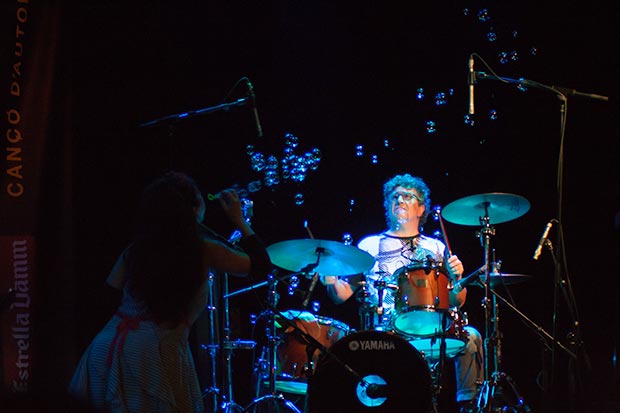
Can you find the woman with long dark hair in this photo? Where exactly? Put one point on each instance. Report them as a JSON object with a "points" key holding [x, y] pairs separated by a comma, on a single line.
{"points": [[141, 360]]}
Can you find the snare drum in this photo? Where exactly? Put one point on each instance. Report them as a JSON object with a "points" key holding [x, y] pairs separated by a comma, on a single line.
{"points": [[292, 352], [423, 302]]}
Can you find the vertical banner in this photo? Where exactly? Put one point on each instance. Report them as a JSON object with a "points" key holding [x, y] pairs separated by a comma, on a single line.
{"points": [[28, 46], [17, 278]]}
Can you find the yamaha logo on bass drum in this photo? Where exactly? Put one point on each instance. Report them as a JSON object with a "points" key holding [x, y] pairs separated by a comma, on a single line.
{"points": [[371, 345]]}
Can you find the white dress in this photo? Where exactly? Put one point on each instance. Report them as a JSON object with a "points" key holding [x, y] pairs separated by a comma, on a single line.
{"points": [[137, 365]]}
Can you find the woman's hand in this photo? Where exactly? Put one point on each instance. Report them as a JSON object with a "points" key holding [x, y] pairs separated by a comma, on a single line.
{"points": [[231, 204]]}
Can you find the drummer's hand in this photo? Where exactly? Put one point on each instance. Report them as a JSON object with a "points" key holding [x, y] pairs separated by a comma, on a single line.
{"points": [[455, 267]]}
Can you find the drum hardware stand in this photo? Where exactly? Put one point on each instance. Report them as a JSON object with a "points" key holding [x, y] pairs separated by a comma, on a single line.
{"points": [[366, 313], [272, 397], [491, 386], [227, 346], [306, 338], [541, 333], [380, 286], [213, 391]]}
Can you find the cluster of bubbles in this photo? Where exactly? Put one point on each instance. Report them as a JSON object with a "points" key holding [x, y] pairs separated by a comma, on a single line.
{"points": [[293, 167], [508, 48], [373, 154], [293, 284], [505, 56], [440, 99]]}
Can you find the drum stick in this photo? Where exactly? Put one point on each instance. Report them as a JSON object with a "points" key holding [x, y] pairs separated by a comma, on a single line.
{"points": [[437, 213], [315, 276], [308, 229]]}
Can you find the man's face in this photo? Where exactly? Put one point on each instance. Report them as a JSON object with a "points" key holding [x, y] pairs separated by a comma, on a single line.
{"points": [[405, 205]]}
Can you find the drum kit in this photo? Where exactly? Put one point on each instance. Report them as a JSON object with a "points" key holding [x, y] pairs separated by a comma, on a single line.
{"points": [[329, 367]]}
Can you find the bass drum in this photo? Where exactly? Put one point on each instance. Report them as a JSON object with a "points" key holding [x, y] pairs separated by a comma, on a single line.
{"points": [[399, 376]]}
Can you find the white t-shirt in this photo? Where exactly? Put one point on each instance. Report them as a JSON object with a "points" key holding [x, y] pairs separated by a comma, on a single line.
{"points": [[393, 253]]}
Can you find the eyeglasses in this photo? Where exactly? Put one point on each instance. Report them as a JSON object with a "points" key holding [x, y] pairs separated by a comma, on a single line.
{"points": [[406, 196]]}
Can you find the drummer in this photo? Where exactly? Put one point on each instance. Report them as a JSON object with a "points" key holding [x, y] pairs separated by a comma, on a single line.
{"points": [[407, 205]]}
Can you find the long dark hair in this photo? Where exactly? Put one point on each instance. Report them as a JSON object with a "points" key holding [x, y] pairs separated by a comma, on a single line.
{"points": [[165, 263]]}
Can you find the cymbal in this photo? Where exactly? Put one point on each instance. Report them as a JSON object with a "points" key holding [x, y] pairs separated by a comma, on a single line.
{"points": [[334, 258], [498, 279], [500, 207]]}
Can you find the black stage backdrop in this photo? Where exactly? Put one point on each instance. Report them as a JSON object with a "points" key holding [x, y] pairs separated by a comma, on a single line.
{"points": [[377, 89]]}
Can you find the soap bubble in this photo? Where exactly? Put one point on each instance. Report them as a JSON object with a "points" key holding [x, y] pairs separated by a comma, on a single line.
{"points": [[347, 239], [431, 126], [359, 150], [299, 199]]}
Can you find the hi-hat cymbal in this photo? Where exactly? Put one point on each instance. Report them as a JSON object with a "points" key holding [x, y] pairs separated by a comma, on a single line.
{"points": [[498, 206], [334, 258], [498, 278]]}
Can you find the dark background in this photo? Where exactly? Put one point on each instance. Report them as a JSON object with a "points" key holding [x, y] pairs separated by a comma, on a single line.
{"points": [[342, 74]]}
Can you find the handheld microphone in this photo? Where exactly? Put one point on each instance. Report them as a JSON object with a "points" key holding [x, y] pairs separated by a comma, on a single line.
{"points": [[259, 128], [471, 81], [542, 240]]}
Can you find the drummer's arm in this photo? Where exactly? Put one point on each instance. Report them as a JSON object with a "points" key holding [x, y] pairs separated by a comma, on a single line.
{"points": [[456, 269], [338, 289], [457, 300]]}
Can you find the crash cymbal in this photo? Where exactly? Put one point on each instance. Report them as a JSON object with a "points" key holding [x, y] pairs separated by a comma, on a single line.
{"points": [[498, 279], [500, 207], [334, 258]]}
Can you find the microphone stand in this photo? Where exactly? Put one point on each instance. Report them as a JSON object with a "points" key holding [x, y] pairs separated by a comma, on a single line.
{"points": [[176, 117], [542, 333], [562, 93], [574, 336]]}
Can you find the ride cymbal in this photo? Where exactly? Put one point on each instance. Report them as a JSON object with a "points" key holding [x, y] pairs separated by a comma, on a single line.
{"points": [[498, 206], [324, 257]]}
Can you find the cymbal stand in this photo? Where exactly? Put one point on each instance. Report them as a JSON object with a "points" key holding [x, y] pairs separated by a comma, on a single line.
{"points": [[272, 397], [488, 386], [485, 238], [491, 386]]}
